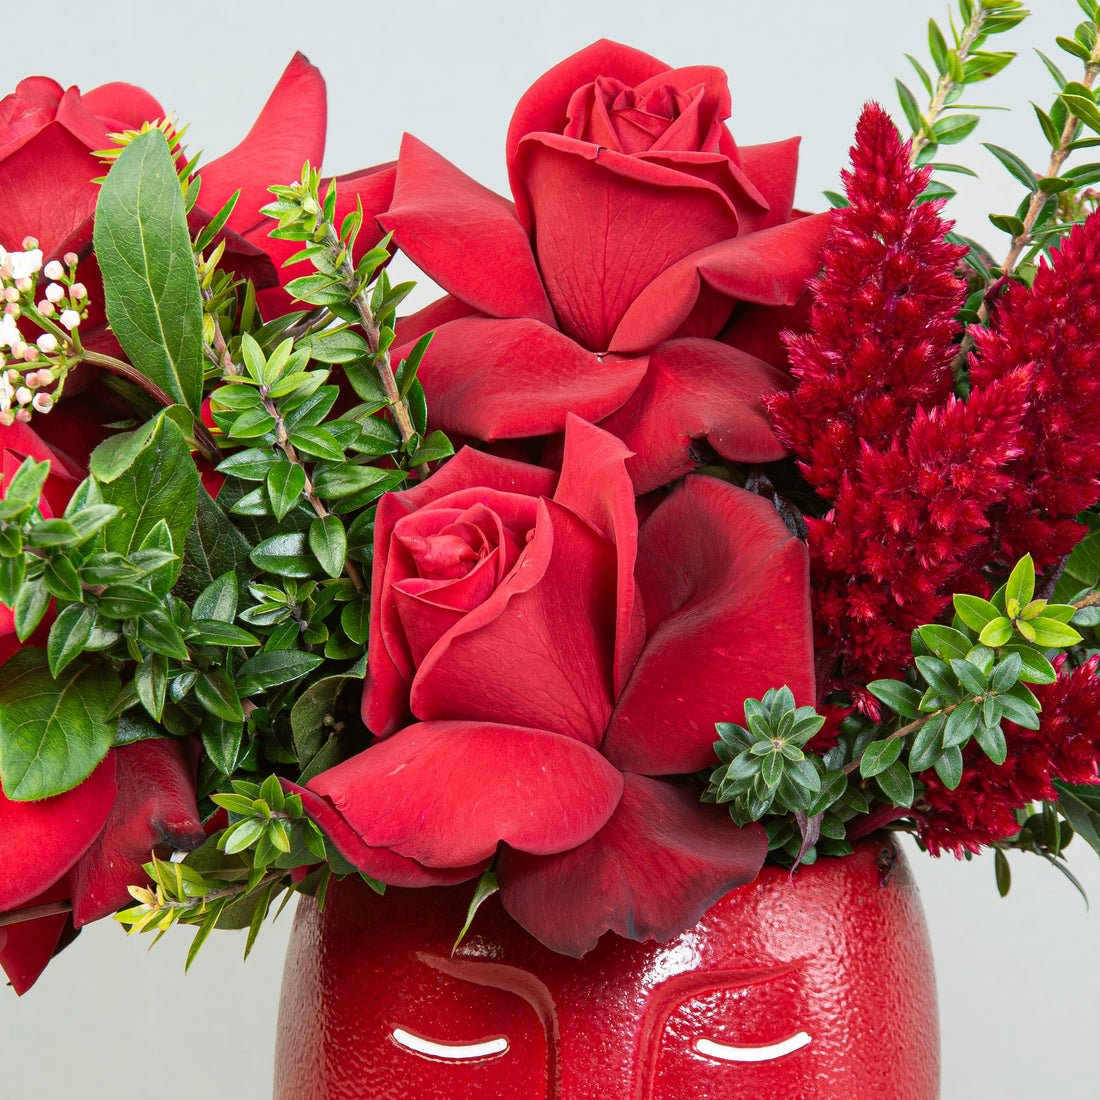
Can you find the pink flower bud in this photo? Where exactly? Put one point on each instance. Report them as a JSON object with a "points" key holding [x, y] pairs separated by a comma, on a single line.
{"points": [[11, 294], [45, 376], [7, 418], [71, 259], [53, 270], [46, 308], [30, 353], [43, 402], [24, 283], [29, 243], [13, 375], [78, 291], [23, 395], [55, 291], [23, 416]]}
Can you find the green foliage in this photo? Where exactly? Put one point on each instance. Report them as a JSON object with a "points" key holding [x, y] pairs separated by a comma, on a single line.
{"points": [[151, 290]]}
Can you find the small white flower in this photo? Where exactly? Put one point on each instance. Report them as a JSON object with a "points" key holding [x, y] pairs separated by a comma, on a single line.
{"points": [[23, 395], [55, 291], [69, 318], [25, 264], [47, 342], [6, 395], [43, 402], [9, 332], [53, 270]]}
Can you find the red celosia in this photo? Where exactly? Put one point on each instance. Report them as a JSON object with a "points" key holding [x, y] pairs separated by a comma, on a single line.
{"points": [[883, 321], [1054, 327], [1066, 746]]}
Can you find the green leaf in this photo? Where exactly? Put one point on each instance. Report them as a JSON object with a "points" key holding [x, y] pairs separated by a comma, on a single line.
{"points": [[879, 755], [159, 633], [151, 684], [318, 442], [997, 632], [1021, 582], [286, 481], [909, 105], [944, 641], [285, 556], [897, 784], [1082, 106], [329, 541], [1019, 712], [150, 286], [486, 886], [223, 742], [27, 482], [1080, 806], [1017, 168], [61, 578], [218, 600], [1002, 872], [278, 666], [992, 741], [68, 636], [30, 606], [215, 691], [952, 129], [1008, 223], [161, 483], [949, 767], [213, 548], [1050, 632], [1071, 46], [53, 732]]}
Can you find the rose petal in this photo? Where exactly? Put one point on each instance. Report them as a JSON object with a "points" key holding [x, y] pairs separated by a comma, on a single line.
{"points": [[289, 130], [490, 379], [40, 841], [652, 871], [432, 317], [758, 329], [155, 812], [544, 106], [378, 863], [25, 111], [27, 947], [594, 484], [606, 225], [464, 236], [772, 168], [697, 390], [540, 651], [122, 106], [771, 268], [20, 441], [447, 793], [727, 606], [47, 188], [390, 672]]}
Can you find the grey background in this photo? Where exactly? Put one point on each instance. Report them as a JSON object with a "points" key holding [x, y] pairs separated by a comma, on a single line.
{"points": [[1015, 976]]}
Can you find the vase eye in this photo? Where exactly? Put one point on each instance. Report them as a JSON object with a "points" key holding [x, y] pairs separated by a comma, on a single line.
{"points": [[726, 1052], [449, 1051]]}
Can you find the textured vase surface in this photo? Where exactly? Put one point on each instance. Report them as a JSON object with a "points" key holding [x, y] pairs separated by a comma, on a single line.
{"points": [[820, 987]]}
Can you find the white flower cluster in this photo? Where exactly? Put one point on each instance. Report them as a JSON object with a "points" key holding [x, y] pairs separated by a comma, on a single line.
{"points": [[61, 304]]}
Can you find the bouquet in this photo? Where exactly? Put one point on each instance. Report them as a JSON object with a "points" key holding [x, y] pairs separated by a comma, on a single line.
{"points": [[686, 531]]}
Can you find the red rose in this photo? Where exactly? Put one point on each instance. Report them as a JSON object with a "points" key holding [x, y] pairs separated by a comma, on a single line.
{"points": [[639, 230], [541, 671], [89, 844], [48, 136]]}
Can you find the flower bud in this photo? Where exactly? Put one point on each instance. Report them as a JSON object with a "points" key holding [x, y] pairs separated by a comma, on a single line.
{"points": [[23, 395], [45, 376], [43, 402], [29, 243], [53, 270], [47, 342], [23, 416], [30, 353], [55, 291], [69, 318], [78, 291], [11, 294], [46, 308], [71, 259], [7, 418], [23, 283]]}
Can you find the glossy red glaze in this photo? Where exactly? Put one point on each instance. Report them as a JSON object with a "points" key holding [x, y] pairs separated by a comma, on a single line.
{"points": [[825, 982]]}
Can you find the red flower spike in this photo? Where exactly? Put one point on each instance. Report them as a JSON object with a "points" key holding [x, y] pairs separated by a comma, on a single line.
{"points": [[883, 322], [1055, 327]]}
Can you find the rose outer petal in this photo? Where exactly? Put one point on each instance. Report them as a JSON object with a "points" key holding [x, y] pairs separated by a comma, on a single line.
{"points": [[491, 379], [40, 841], [464, 236], [155, 811], [289, 130], [660, 862], [378, 863], [447, 793], [27, 947], [770, 267], [726, 591], [697, 390]]}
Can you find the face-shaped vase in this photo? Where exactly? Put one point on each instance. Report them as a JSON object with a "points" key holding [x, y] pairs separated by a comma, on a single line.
{"points": [[818, 987]]}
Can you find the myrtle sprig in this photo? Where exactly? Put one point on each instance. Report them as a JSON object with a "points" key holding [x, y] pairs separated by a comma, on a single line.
{"points": [[967, 679], [345, 288], [957, 66]]}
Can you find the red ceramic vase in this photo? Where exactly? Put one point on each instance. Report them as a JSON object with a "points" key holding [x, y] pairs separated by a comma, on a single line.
{"points": [[818, 987]]}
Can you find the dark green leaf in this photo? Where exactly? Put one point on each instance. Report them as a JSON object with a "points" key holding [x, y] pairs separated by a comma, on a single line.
{"points": [[1016, 167], [30, 606], [1002, 872], [949, 767], [897, 784], [286, 481], [909, 105], [150, 286], [952, 129], [285, 556], [318, 442], [53, 732], [215, 691], [68, 636], [329, 542], [879, 755], [213, 547], [992, 741], [274, 667]]}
